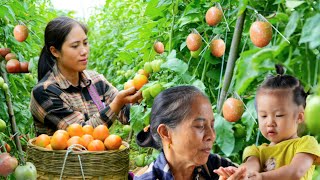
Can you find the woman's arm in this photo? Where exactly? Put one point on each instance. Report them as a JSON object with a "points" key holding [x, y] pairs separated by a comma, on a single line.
{"points": [[298, 167], [52, 107]]}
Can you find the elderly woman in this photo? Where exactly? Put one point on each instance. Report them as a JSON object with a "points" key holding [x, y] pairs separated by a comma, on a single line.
{"points": [[182, 125]]}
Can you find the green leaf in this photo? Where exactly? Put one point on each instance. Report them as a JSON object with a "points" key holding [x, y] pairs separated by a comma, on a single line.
{"points": [[225, 138], [173, 54], [137, 117], [175, 64], [164, 3], [310, 31], [249, 118], [213, 74], [292, 24], [190, 18], [245, 73], [199, 84], [291, 4]]}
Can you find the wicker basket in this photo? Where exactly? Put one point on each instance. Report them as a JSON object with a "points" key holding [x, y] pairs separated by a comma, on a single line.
{"points": [[111, 165]]}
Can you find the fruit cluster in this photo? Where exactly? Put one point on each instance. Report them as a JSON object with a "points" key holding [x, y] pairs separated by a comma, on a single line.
{"points": [[141, 78], [13, 65], [93, 139], [194, 40], [20, 33]]}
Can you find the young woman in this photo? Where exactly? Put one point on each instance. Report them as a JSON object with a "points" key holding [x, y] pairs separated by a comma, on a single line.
{"points": [[67, 93]]}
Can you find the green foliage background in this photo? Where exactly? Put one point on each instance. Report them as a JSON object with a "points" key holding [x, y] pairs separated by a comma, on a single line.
{"points": [[122, 34]]}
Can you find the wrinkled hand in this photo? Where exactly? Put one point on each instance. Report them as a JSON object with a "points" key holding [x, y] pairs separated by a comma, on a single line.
{"points": [[125, 97], [231, 173]]}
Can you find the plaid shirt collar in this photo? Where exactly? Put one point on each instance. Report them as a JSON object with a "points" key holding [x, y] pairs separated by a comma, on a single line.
{"points": [[65, 84], [160, 169]]}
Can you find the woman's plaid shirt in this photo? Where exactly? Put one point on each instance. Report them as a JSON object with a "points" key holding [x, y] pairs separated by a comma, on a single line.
{"points": [[56, 103]]}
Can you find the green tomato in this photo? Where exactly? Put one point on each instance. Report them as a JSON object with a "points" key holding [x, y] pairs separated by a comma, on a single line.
{"points": [[149, 160], [5, 87], [146, 94], [195, 54], [1, 81], [312, 114], [240, 131], [139, 160], [26, 172], [155, 64], [147, 67], [29, 76], [155, 90], [2, 125], [126, 129]]}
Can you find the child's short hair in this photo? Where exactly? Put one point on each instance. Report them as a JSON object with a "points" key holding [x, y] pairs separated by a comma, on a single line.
{"points": [[281, 81]]}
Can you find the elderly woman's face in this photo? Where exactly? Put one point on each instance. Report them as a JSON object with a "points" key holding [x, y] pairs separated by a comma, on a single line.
{"points": [[193, 138]]}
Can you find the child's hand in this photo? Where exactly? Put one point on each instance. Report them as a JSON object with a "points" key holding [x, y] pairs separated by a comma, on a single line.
{"points": [[254, 176], [225, 172], [231, 173]]}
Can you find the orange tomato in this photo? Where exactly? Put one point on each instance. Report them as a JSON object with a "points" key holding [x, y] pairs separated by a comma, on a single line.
{"points": [[59, 141], [113, 142], [139, 80], [101, 132], [128, 84], [75, 130], [86, 139], [87, 129], [96, 145], [42, 140]]}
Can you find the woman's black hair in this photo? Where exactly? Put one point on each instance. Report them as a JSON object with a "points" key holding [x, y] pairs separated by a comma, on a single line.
{"points": [[282, 81], [170, 107], [55, 34]]}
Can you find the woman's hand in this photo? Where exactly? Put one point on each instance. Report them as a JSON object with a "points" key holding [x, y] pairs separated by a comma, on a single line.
{"points": [[125, 97], [232, 173]]}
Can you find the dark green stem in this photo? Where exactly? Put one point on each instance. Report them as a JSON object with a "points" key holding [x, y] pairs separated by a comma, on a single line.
{"points": [[11, 113], [232, 58]]}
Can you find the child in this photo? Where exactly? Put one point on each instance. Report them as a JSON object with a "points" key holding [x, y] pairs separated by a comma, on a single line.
{"points": [[280, 103]]}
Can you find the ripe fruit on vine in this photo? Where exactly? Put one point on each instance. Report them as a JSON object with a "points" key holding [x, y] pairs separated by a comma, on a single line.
{"points": [[4, 51], [129, 84], [139, 80], [24, 67], [158, 47], [213, 16], [20, 32], [143, 72], [194, 41], [13, 66], [232, 109], [7, 164], [10, 56], [217, 47], [260, 33]]}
